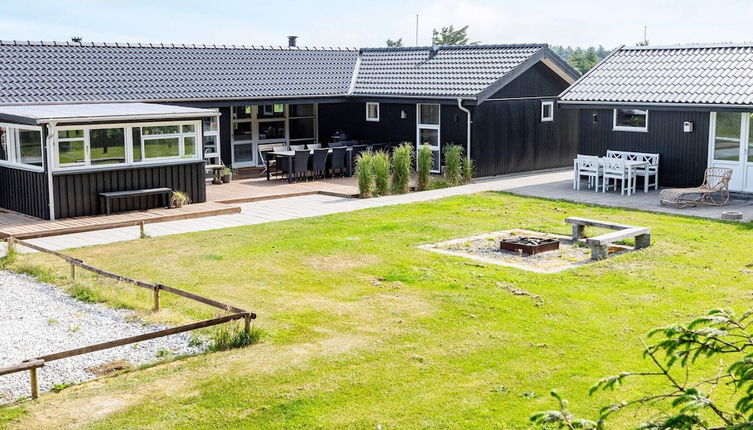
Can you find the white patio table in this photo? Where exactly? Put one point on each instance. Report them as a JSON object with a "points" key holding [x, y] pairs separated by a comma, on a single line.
{"points": [[630, 165]]}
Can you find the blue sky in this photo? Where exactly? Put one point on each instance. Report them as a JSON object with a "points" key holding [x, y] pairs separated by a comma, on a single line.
{"points": [[369, 23]]}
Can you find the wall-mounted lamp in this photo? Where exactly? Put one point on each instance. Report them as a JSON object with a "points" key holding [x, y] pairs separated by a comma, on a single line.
{"points": [[688, 126], [595, 118], [403, 115]]}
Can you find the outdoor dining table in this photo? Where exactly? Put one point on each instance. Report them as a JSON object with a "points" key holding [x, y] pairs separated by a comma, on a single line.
{"points": [[288, 155], [630, 165]]}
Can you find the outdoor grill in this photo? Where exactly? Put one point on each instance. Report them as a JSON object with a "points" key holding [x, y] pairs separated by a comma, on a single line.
{"points": [[529, 245]]}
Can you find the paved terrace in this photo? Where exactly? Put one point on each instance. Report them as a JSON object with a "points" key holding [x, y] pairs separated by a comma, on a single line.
{"points": [[549, 184]]}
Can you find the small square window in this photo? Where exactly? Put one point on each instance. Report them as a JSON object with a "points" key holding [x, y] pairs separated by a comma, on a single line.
{"points": [[372, 112], [547, 111]]}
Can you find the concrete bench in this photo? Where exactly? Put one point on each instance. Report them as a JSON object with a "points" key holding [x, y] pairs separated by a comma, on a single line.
{"points": [[109, 196], [599, 245]]}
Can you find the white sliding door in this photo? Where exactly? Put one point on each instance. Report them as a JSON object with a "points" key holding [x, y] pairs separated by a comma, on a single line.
{"points": [[731, 146], [427, 132]]}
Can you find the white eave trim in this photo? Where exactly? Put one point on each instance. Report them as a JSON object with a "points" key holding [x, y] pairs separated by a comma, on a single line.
{"points": [[132, 117]]}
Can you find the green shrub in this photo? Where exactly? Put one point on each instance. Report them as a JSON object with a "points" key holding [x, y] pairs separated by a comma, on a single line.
{"points": [[424, 161], [468, 170], [232, 336], [365, 174], [381, 167], [453, 156], [401, 166]]}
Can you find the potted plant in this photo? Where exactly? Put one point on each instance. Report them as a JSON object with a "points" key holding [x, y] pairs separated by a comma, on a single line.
{"points": [[179, 198], [227, 174]]}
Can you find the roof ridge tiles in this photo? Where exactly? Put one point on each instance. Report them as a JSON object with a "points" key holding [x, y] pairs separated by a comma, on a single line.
{"points": [[169, 45]]}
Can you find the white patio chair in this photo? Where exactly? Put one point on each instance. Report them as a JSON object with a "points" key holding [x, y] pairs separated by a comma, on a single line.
{"points": [[653, 170], [589, 166], [615, 169]]}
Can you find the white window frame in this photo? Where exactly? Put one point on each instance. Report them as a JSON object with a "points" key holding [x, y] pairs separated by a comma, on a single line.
{"points": [[549, 118], [128, 130], [370, 118], [12, 140], [616, 127], [437, 127], [211, 133]]}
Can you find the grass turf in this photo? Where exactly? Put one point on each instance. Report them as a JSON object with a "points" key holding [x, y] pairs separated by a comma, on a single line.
{"points": [[363, 329]]}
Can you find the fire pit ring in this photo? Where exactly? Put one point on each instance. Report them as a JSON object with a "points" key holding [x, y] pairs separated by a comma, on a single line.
{"points": [[529, 245]]}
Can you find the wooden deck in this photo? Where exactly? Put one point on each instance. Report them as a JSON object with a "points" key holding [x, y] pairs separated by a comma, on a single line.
{"points": [[252, 187], [26, 227]]}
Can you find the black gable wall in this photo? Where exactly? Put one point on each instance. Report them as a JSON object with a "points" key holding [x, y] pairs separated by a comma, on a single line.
{"points": [[537, 81]]}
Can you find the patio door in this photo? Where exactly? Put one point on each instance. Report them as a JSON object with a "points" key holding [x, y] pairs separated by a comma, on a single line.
{"points": [[428, 132], [244, 128], [731, 146]]}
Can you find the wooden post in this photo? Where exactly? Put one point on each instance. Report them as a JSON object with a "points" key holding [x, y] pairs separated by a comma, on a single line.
{"points": [[156, 298], [578, 231], [11, 246], [142, 233], [247, 321], [642, 241], [34, 383], [73, 272]]}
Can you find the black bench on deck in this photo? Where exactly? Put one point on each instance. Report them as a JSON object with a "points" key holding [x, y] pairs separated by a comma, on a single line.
{"points": [[109, 196]]}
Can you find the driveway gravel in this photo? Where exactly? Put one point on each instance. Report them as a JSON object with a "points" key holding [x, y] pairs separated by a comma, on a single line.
{"points": [[38, 319]]}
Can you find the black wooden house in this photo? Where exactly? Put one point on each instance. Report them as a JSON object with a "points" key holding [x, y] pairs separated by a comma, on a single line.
{"points": [[693, 105], [80, 119]]}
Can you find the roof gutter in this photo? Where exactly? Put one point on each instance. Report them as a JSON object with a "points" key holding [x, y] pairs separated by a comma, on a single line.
{"points": [[653, 104], [468, 129], [125, 117]]}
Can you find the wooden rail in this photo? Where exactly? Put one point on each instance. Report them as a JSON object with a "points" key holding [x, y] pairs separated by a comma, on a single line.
{"points": [[33, 364]]}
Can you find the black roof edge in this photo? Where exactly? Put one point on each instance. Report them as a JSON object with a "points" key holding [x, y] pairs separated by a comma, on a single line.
{"points": [[654, 106]]}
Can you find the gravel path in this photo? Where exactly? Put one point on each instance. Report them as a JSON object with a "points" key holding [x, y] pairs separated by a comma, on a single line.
{"points": [[38, 318]]}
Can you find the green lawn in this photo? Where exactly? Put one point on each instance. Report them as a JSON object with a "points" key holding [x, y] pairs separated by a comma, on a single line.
{"points": [[363, 329]]}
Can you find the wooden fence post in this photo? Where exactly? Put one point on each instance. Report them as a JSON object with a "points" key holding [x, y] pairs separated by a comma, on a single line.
{"points": [[73, 271], [142, 233], [247, 321], [10, 245], [34, 383], [156, 298]]}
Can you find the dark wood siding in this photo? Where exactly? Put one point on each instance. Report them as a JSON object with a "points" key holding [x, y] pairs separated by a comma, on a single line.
{"points": [[537, 81], [226, 147], [351, 117], [76, 193], [24, 191], [508, 137], [683, 156]]}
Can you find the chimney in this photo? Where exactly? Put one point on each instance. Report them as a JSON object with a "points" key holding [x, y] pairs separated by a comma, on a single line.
{"points": [[291, 41]]}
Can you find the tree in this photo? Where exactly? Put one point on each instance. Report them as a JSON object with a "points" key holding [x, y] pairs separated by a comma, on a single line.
{"points": [[450, 36], [395, 43], [694, 395], [582, 59]]}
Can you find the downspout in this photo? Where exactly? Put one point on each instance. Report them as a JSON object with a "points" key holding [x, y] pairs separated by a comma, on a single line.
{"points": [[48, 151], [468, 132]]}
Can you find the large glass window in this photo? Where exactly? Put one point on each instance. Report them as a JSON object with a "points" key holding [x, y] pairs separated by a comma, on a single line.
{"points": [[302, 128], [165, 141], [727, 136], [272, 130], [271, 111], [630, 120], [71, 147], [107, 146], [750, 138], [29, 148], [428, 114]]}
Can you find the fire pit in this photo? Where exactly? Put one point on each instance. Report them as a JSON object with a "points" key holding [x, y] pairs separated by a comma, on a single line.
{"points": [[529, 245]]}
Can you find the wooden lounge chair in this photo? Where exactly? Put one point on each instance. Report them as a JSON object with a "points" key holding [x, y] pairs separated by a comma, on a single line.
{"points": [[713, 192]]}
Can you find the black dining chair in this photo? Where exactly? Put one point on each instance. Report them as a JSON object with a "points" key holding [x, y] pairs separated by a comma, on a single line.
{"points": [[357, 149], [337, 160], [282, 165], [301, 164], [319, 162]]}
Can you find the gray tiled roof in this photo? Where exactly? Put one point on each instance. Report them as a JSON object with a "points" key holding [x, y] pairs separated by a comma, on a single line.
{"points": [[456, 71], [49, 72], [692, 75], [68, 72]]}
